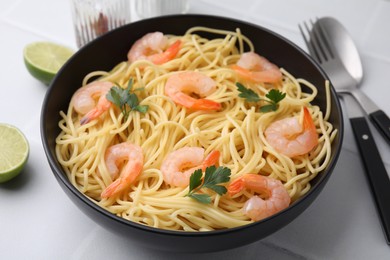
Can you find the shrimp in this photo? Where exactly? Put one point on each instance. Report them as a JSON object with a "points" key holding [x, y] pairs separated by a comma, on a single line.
{"points": [[254, 67], [151, 46], [175, 166], [291, 138], [195, 82], [257, 208], [132, 159], [84, 103]]}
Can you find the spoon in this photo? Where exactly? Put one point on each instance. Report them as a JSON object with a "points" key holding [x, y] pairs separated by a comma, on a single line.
{"points": [[331, 39], [345, 48]]}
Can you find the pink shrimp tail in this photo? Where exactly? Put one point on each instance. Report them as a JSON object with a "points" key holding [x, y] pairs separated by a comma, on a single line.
{"points": [[167, 55], [94, 113], [113, 188], [240, 70], [198, 104], [308, 123], [121, 183], [309, 126], [266, 76], [236, 186], [211, 159], [206, 104]]}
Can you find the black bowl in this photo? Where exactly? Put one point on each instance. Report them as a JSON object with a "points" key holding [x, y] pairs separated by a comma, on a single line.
{"points": [[107, 51]]}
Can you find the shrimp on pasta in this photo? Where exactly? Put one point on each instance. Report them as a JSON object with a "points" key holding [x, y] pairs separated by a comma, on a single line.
{"points": [[257, 68], [277, 197], [291, 138], [131, 158], [153, 47], [84, 100], [189, 159], [178, 85]]}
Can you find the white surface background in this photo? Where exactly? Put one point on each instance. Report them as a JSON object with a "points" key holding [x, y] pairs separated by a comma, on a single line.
{"points": [[38, 221]]}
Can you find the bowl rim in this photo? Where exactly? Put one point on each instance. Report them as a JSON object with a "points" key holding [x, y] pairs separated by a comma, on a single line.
{"points": [[61, 176]]}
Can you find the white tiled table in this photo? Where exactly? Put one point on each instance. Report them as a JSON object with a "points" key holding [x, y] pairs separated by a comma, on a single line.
{"points": [[38, 221]]}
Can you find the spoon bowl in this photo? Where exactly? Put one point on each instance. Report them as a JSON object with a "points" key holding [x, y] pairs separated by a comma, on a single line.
{"points": [[344, 64], [345, 48]]}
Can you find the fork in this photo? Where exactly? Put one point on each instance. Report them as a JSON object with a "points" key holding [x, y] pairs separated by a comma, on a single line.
{"points": [[321, 48], [339, 53]]}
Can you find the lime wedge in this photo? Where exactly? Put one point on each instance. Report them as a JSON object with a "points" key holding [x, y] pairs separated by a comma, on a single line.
{"points": [[44, 59], [14, 150]]}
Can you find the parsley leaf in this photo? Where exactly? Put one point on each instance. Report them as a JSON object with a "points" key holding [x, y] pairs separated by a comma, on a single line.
{"points": [[247, 93], [132, 101], [274, 96], [195, 179], [213, 177], [268, 108], [143, 109], [125, 100], [202, 198], [114, 96]]}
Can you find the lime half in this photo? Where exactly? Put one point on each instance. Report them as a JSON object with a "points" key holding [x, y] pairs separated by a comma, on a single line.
{"points": [[14, 150], [44, 59]]}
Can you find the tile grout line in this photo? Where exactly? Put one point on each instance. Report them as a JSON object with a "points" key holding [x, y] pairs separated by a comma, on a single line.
{"points": [[283, 250], [26, 29]]}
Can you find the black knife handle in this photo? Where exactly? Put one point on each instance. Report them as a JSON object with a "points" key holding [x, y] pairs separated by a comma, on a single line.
{"points": [[375, 170], [382, 123]]}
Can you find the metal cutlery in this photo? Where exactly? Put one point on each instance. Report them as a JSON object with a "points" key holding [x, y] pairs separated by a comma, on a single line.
{"points": [[345, 76], [344, 52]]}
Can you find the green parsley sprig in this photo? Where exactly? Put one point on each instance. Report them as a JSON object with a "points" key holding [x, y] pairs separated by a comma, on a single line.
{"points": [[125, 100], [273, 96], [213, 177]]}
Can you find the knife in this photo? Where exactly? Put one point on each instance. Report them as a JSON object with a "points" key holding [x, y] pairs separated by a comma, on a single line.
{"points": [[378, 117], [382, 121], [373, 164]]}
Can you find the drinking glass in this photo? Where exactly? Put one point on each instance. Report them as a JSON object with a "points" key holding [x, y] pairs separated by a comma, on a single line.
{"points": [[151, 8], [93, 18]]}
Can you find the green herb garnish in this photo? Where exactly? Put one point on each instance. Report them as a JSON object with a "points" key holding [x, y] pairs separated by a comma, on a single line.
{"points": [[125, 100], [213, 177], [273, 96], [247, 93]]}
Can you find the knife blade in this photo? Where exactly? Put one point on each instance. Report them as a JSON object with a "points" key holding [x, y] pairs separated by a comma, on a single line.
{"points": [[372, 161]]}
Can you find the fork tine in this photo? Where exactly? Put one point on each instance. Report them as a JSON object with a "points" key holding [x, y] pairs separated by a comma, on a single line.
{"points": [[311, 42], [321, 38], [307, 40], [317, 41]]}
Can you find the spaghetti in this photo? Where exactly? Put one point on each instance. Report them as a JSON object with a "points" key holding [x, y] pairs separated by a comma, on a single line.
{"points": [[236, 130]]}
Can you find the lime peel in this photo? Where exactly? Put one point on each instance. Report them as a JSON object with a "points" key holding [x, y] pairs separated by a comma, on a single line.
{"points": [[44, 59], [14, 152]]}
